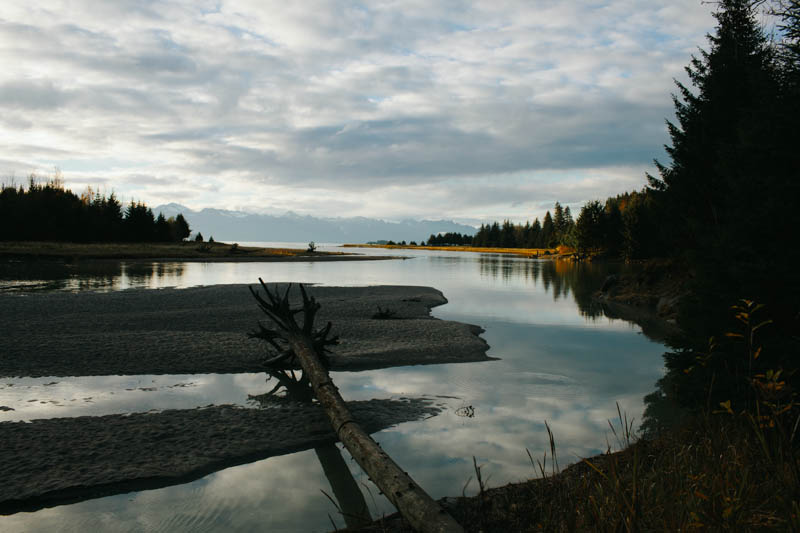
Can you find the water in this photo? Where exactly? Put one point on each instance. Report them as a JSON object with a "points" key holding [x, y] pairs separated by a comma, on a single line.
{"points": [[561, 361]]}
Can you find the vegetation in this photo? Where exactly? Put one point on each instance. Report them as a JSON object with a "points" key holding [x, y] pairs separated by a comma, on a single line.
{"points": [[207, 251], [711, 474], [721, 209], [49, 212], [734, 465]]}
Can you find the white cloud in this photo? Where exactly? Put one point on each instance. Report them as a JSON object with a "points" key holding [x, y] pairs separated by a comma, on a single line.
{"points": [[454, 109]]}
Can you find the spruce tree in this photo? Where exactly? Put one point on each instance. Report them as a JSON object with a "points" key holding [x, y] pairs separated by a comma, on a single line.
{"points": [[712, 157], [548, 231]]}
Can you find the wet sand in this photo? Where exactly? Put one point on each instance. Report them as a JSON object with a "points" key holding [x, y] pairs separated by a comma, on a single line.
{"points": [[203, 330], [193, 331], [64, 460]]}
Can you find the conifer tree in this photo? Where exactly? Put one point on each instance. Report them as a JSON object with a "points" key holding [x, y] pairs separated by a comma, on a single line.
{"points": [[558, 220], [548, 231], [712, 157]]}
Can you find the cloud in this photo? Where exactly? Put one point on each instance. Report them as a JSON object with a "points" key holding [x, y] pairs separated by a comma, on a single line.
{"points": [[349, 99]]}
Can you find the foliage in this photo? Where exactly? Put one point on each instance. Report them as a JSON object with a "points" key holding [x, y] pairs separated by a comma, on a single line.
{"points": [[50, 212]]}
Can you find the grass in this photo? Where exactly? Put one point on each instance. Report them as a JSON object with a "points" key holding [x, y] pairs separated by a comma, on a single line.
{"points": [[717, 472], [528, 252], [179, 250]]}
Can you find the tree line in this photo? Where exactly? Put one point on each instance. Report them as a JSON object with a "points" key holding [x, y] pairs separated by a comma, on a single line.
{"points": [[722, 209], [50, 212], [556, 229], [723, 202]]}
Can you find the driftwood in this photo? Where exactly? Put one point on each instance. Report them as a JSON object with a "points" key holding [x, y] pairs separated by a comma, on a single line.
{"points": [[308, 346]]}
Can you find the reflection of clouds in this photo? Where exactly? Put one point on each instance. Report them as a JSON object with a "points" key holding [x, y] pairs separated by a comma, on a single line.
{"points": [[102, 395], [555, 365], [269, 495]]}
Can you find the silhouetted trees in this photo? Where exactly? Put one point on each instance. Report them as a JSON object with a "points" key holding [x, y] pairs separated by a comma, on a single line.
{"points": [[450, 238], [50, 212]]}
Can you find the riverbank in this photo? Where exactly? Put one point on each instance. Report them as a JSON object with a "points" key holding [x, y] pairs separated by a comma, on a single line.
{"points": [[551, 253], [714, 472], [180, 251], [654, 292]]}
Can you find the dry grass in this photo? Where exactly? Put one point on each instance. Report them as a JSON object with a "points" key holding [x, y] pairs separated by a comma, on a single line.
{"points": [[528, 252], [181, 250], [717, 472]]}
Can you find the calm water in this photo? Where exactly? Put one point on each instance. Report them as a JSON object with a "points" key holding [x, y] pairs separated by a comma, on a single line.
{"points": [[560, 361]]}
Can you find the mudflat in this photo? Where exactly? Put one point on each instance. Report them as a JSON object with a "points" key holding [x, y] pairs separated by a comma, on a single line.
{"points": [[62, 460], [204, 330], [193, 331]]}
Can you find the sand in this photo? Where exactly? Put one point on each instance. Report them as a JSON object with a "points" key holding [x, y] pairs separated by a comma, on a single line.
{"points": [[203, 330], [63, 460], [193, 331]]}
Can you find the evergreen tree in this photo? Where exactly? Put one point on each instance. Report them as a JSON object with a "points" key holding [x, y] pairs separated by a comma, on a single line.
{"points": [[568, 218], [733, 167], [507, 235], [590, 227], [163, 233], [712, 160], [535, 235], [494, 235], [559, 222], [548, 239], [180, 228], [612, 227]]}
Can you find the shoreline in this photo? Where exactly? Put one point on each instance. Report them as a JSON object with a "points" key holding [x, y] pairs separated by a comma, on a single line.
{"points": [[187, 251], [535, 253]]}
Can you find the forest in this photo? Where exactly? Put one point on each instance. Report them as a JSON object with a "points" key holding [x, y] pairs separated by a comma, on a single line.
{"points": [[49, 212]]}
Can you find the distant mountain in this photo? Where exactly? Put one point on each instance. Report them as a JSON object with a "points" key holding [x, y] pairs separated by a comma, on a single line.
{"points": [[227, 225]]}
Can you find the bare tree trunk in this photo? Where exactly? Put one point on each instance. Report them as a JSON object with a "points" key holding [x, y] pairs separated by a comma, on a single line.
{"points": [[416, 506]]}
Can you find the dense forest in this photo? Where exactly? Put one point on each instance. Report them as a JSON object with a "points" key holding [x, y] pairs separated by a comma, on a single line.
{"points": [[49, 212]]}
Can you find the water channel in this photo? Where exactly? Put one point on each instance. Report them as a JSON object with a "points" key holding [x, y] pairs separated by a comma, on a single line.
{"points": [[560, 360]]}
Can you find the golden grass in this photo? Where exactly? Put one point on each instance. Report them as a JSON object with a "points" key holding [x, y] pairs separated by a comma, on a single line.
{"points": [[180, 250], [528, 252]]}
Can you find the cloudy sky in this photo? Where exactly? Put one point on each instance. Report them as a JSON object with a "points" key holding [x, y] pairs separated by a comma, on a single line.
{"points": [[471, 111]]}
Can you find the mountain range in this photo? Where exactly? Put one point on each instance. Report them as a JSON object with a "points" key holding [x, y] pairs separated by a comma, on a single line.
{"points": [[225, 225]]}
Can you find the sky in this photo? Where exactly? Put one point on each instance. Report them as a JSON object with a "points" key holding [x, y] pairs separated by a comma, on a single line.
{"points": [[470, 111]]}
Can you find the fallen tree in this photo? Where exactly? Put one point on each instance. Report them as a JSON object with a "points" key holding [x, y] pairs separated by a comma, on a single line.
{"points": [[308, 346]]}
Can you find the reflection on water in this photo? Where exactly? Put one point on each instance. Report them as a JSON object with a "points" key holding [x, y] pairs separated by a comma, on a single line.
{"points": [[348, 498], [561, 360], [86, 275], [558, 278]]}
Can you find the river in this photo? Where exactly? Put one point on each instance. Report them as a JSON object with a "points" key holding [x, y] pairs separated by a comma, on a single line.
{"points": [[559, 359]]}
